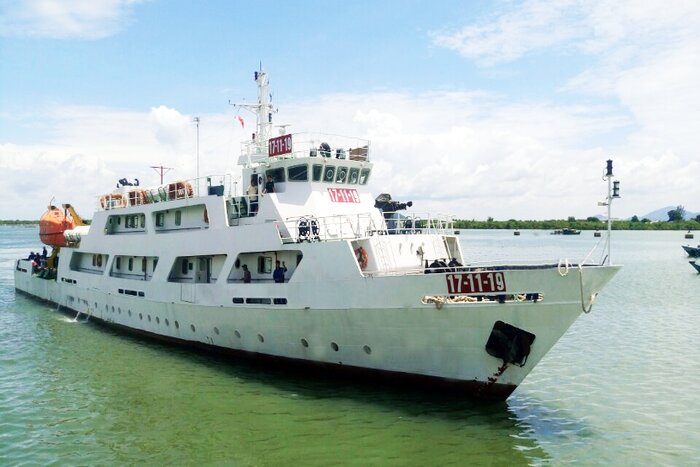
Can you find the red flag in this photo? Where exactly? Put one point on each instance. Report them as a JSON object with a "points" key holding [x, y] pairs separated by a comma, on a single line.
{"points": [[240, 119]]}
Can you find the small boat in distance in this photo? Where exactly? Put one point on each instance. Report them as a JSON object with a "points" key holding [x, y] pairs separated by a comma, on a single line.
{"points": [[693, 252], [695, 265], [566, 231]]}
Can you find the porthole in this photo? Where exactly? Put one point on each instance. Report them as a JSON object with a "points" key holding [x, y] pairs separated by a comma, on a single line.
{"points": [[167, 323], [119, 310], [304, 342], [106, 307], [192, 327], [149, 318], [96, 305], [129, 312], [237, 334], [177, 325], [216, 331], [261, 338], [334, 346], [367, 349], [140, 315], [157, 320]]}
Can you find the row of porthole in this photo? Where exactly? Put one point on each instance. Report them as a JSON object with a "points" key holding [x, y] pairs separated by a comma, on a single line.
{"points": [[305, 343]]}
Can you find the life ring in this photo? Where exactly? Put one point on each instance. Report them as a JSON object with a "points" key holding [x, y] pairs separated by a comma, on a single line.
{"points": [[362, 258]]}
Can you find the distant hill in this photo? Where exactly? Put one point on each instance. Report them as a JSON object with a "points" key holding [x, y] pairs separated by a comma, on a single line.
{"points": [[662, 214]]}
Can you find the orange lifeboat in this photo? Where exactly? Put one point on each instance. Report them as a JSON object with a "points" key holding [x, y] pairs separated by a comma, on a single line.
{"points": [[52, 225]]}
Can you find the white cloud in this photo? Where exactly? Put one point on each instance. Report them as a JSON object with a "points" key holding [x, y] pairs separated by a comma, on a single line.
{"points": [[93, 19], [516, 31], [87, 149]]}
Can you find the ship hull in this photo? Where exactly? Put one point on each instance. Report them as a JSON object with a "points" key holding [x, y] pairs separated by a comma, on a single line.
{"points": [[437, 347]]}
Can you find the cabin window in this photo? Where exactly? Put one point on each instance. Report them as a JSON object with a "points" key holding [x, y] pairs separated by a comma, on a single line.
{"points": [[94, 260], [143, 265], [341, 175], [131, 264], [329, 174], [143, 221], [155, 263], [317, 172], [364, 176], [160, 219], [277, 174], [119, 220], [298, 173], [354, 176], [178, 217], [264, 264], [183, 268], [118, 263]]}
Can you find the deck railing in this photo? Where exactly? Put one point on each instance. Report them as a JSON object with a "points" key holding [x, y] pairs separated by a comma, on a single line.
{"points": [[353, 226]]}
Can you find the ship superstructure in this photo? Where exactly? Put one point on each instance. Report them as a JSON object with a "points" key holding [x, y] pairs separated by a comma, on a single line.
{"points": [[362, 288]]}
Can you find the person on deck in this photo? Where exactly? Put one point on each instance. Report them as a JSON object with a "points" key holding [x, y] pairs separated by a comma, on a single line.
{"points": [[253, 195], [269, 185], [246, 274], [454, 264], [278, 273], [44, 254]]}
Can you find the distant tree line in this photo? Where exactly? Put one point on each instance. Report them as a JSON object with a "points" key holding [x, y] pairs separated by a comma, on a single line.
{"points": [[590, 223], [17, 222]]}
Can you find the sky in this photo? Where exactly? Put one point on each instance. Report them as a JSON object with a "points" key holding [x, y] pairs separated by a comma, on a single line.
{"points": [[503, 109]]}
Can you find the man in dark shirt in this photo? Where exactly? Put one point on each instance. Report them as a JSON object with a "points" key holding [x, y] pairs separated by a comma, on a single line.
{"points": [[278, 273], [246, 274], [269, 185]]}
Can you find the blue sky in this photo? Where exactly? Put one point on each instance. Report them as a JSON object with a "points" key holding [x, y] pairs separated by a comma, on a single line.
{"points": [[506, 109]]}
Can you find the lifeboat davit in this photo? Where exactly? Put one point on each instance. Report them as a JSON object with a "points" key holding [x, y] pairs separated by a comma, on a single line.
{"points": [[52, 225]]}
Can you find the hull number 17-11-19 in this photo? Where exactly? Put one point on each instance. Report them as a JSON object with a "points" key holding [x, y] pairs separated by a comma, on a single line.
{"points": [[476, 282]]}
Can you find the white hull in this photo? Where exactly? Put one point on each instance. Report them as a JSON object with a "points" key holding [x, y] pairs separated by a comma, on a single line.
{"points": [[356, 283], [423, 341]]}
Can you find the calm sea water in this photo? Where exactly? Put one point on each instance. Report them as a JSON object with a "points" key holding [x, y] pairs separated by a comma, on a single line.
{"points": [[621, 387]]}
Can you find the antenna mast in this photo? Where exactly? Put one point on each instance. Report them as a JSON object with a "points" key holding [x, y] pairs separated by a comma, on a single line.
{"points": [[196, 120], [161, 171], [263, 111], [613, 192]]}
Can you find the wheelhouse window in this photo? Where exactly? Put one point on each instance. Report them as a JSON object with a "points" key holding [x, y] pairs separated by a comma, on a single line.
{"points": [[131, 264], [354, 176], [178, 217], [317, 172], [329, 174], [143, 221], [277, 174], [341, 175], [364, 176], [298, 173], [160, 219]]}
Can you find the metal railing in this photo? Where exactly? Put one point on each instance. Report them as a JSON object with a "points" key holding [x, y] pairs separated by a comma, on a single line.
{"points": [[354, 226], [224, 185], [310, 144]]}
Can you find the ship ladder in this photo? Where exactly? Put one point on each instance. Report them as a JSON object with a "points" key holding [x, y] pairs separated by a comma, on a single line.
{"points": [[379, 250]]}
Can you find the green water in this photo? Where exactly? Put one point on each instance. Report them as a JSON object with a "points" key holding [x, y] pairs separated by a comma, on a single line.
{"points": [[621, 387]]}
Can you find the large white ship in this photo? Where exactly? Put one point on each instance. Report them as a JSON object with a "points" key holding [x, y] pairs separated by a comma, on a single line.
{"points": [[359, 287]]}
